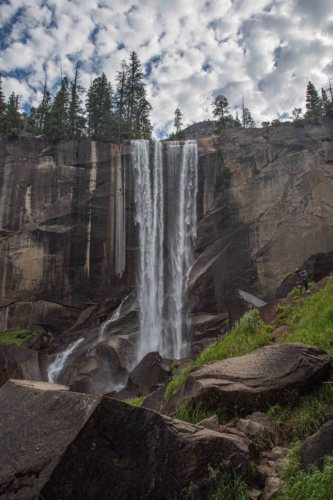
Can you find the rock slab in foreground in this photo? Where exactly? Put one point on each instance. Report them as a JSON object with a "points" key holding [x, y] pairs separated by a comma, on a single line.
{"points": [[316, 447], [59, 444], [269, 375], [19, 363]]}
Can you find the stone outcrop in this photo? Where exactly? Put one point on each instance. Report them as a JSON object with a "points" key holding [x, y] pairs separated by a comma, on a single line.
{"points": [[18, 363], [150, 372], [269, 375], [264, 208], [316, 447], [56, 442]]}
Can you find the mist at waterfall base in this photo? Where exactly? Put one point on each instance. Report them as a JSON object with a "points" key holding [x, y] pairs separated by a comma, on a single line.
{"points": [[165, 203]]}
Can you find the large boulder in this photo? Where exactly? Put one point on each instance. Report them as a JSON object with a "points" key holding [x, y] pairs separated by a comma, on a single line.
{"points": [[60, 444], [316, 447], [269, 375], [18, 363], [151, 371]]}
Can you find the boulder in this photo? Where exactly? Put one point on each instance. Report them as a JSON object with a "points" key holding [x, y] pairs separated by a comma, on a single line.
{"points": [[198, 347], [156, 400], [18, 363], [269, 375], [210, 423], [240, 302], [207, 325], [151, 370], [60, 444], [316, 447]]}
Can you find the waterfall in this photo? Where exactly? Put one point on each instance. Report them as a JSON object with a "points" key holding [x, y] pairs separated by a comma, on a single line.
{"points": [[56, 367], [114, 317], [149, 217], [182, 190], [166, 219]]}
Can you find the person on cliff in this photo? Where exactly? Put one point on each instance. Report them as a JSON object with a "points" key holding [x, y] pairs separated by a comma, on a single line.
{"points": [[303, 280]]}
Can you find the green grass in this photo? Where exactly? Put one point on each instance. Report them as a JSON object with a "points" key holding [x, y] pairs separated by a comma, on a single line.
{"points": [[16, 337], [298, 484], [195, 413], [227, 484], [135, 401], [248, 334], [310, 321]]}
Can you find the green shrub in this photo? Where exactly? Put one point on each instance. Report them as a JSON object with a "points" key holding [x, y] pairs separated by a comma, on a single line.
{"points": [[248, 334], [313, 484], [15, 337], [135, 401]]}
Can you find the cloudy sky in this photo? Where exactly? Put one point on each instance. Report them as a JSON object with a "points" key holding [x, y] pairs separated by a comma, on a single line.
{"points": [[190, 50]]}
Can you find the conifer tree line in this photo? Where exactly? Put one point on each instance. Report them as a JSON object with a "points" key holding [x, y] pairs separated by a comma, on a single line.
{"points": [[317, 104], [101, 113]]}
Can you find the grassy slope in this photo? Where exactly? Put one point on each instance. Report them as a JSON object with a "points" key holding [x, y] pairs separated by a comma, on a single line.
{"points": [[310, 320], [16, 337]]}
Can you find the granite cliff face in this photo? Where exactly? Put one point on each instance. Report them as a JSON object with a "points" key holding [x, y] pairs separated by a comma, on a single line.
{"points": [[69, 242], [266, 205]]}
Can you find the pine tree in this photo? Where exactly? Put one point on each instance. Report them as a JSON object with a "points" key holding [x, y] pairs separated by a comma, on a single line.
{"points": [[137, 107], [247, 119], [99, 106], [120, 99], [38, 120], [313, 102], [326, 103], [2, 107], [297, 114], [221, 111], [12, 118], [76, 120], [178, 122], [59, 121]]}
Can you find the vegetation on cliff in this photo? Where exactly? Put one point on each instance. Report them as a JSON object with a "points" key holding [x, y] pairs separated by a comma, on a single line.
{"points": [[109, 112]]}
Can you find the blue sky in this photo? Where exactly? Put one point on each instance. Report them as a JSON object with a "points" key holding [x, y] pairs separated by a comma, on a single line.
{"points": [[191, 50]]}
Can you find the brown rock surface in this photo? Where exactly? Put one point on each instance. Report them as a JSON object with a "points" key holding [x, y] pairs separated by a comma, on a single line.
{"points": [[317, 446], [56, 442], [151, 370], [271, 374], [18, 363]]}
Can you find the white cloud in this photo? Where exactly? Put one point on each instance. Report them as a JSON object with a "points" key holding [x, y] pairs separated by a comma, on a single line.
{"points": [[264, 50]]}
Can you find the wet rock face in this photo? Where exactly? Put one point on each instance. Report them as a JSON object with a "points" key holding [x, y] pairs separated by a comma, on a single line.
{"points": [[85, 446], [64, 210], [269, 375]]}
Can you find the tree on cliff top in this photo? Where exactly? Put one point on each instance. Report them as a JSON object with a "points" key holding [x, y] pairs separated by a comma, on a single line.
{"points": [[99, 106], [76, 119], [177, 123], [12, 116], [313, 102], [221, 111], [59, 123], [247, 119]]}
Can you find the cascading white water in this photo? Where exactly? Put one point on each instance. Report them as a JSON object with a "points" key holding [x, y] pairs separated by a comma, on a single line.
{"points": [[182, 232], [149, 217], [56, 367], [113, 318], [161, 286]]}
